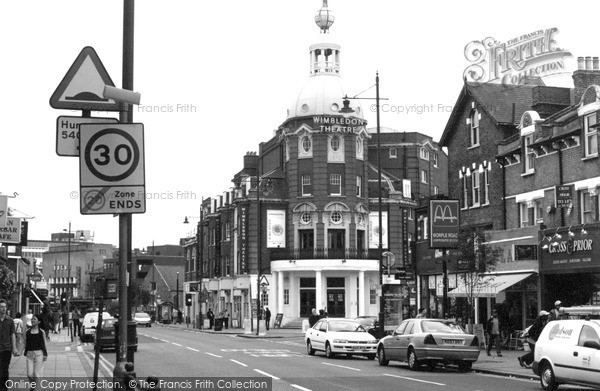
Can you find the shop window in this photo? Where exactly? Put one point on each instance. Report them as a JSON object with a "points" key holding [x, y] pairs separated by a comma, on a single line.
{"points": [[591, 135], [525, 252]]}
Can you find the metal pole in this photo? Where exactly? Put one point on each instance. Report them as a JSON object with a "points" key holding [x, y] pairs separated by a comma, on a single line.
{"points": [[125, 116], [380, 254], [445, 282], [177, 295], [69, 291], [199, 264], [258, 253]]}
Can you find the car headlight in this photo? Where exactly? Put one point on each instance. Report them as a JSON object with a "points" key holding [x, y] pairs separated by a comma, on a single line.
{"points": [[340, 341], [373, 341]]}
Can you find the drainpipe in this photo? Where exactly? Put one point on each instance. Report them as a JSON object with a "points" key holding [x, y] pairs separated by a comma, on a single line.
{"points": [[503, 197]]}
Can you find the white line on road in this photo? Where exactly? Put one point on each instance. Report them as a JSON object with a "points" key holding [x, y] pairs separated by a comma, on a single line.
{"points": [[104, 362], [413, 379], [214, 355], [341, 366], [176, 344], [267, 374], [195, 350], [237, 362], [300, 388], [79, 349], [164, 340]]}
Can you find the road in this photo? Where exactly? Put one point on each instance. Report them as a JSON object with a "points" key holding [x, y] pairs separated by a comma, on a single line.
{"points": [[178, 354]]}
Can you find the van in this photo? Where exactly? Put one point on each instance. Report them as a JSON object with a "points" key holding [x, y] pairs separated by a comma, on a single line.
{"points": [[88, 327], [568, 352]]}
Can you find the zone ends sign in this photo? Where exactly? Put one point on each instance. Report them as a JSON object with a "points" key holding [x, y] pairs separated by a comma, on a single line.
{"points": [[444, 223]]}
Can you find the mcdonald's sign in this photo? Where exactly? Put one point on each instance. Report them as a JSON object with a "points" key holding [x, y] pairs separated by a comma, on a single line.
{"points": [[444, 223]]}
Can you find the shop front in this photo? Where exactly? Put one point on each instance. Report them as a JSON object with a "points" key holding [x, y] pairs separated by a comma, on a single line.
{"points": [[570, 265]]}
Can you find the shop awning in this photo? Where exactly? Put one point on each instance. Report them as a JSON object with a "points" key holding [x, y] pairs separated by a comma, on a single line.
{"points": [[486, 286]]}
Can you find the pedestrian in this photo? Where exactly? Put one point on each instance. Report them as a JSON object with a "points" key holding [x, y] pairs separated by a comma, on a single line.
{"points": [[56, 317], [19, 331], [35, 351], [493, 330], [555, 313], [76, 322], [422, 313], [8, 343], [313, 318], [532, 336], [322, 314], [28, 317], [225, 317], [211, 318], [45, 321], [267, 317]]}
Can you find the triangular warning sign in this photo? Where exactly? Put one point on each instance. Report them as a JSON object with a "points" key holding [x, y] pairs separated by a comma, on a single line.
{"points": [[263, 280], [82, 87]]}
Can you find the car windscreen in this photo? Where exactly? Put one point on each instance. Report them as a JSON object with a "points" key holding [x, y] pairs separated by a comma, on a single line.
{"points": [[142, 315], [339, 326], [432, 326]]}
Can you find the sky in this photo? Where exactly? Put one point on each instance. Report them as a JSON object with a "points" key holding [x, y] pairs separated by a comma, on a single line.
{"points": [[216, 79]]}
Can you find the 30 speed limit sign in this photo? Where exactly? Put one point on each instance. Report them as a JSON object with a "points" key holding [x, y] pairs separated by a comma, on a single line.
{"points": [[111, 168]]}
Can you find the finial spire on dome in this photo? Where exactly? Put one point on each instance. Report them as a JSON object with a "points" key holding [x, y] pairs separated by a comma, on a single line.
{"points": [[324, 18]]}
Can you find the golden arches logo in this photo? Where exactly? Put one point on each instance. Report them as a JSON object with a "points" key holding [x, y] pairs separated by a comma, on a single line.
{"points": [[443, 216]]}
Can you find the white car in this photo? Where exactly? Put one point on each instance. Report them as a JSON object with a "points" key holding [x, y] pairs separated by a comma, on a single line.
{"points": [[568, 352], [338, 335], [142, 319], [90, 321]]}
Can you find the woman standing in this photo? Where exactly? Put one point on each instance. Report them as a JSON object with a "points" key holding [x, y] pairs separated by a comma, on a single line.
{"points": [[35, 350]]}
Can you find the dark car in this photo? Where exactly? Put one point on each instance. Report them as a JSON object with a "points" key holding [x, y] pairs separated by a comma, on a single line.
{"points": [[107, 337]]}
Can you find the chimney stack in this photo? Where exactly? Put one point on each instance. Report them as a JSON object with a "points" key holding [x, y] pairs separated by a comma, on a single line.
{"points": [[587, 74]]}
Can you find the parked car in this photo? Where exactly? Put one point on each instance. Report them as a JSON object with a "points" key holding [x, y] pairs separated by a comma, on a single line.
{"points": [[88, 327], [106, 338], [568, 352], [339, 335], [429, 342], [142, 319]]}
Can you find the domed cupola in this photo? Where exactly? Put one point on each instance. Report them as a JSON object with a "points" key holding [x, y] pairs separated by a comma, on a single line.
{"points": [[323, 93]]}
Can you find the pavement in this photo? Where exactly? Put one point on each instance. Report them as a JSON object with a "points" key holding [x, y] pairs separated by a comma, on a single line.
{"points": [[66, 358], [506, 365]]}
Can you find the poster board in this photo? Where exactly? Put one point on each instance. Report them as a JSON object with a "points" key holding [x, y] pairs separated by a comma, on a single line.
{"points": [[479, 333], [278, 319]]}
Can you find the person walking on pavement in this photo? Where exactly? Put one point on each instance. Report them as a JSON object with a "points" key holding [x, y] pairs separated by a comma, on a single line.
{"points": [[45, 321], [493, 330], [211, 318], [19, 331], [555, 311], [56, 317], [28, 317], [76, 322], [35, 351], [8, 343], [267, 317], [313, 318], [534, 333]]}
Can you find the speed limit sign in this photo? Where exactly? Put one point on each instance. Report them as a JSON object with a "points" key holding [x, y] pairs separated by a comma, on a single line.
{"points": [[111, 168]]}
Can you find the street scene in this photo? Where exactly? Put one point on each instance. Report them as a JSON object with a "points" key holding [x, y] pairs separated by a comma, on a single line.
{"points": [[316, 195]]}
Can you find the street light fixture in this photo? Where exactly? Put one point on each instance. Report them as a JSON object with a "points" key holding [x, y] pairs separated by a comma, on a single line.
{"points": [[199, 263]]}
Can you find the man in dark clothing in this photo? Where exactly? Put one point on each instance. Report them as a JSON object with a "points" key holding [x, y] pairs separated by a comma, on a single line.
{"points": [[313, 318], [493, 330], [267, 317], [76, 322], [8, 343], [211, 318], [534, 333]]}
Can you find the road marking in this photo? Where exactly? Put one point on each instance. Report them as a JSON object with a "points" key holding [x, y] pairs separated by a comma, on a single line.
{"points": [[176, 344], [267, 374], [300, 388], [195, 350], [214, 355], [341, 366], [164, 340], [413, 379], [237, 362], [104, 362], [79, 349], [67, 349]]}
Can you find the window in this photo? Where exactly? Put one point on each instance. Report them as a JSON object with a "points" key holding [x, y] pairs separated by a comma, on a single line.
{"points": [[529, 213], [335, 181], [336, 217], [436, 189], [393, 153], [589, 207], [286, 297], [587, 334], [424, 176], [226, 231], [486, 187], [435, 160], [264, 298], [591, 135], [529, 155], [372, 295], [465, 196], [359, 186], [305, 218], [306, 185], [307, 239], [306, 143], [475, 188], [359, 148], [474, 128], [525, 252], [227, 266], [424, 154], [335, 143]]}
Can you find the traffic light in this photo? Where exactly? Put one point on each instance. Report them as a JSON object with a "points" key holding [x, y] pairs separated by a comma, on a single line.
{"points": [[188, 299], [63, 299]]}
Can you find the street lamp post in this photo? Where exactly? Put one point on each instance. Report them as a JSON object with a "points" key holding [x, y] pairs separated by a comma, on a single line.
{"points": [[199, 263], [69, 286], [177, 295], [259, 250]]}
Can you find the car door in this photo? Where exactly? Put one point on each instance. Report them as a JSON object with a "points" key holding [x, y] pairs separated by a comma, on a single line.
{"points": [[319, 335], [587, 358], [392, 343], [405, 339]]}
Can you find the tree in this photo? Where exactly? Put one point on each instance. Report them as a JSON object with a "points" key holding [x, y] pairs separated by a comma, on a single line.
{"points": [[474, 260], [7, 282]]}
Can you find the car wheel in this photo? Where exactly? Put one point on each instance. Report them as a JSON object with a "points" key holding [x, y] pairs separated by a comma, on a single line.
{"points": [[383, 361], [465, 366], [413, 362], [547, 378], [328, 351], [371, 356], [309, 348]]}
